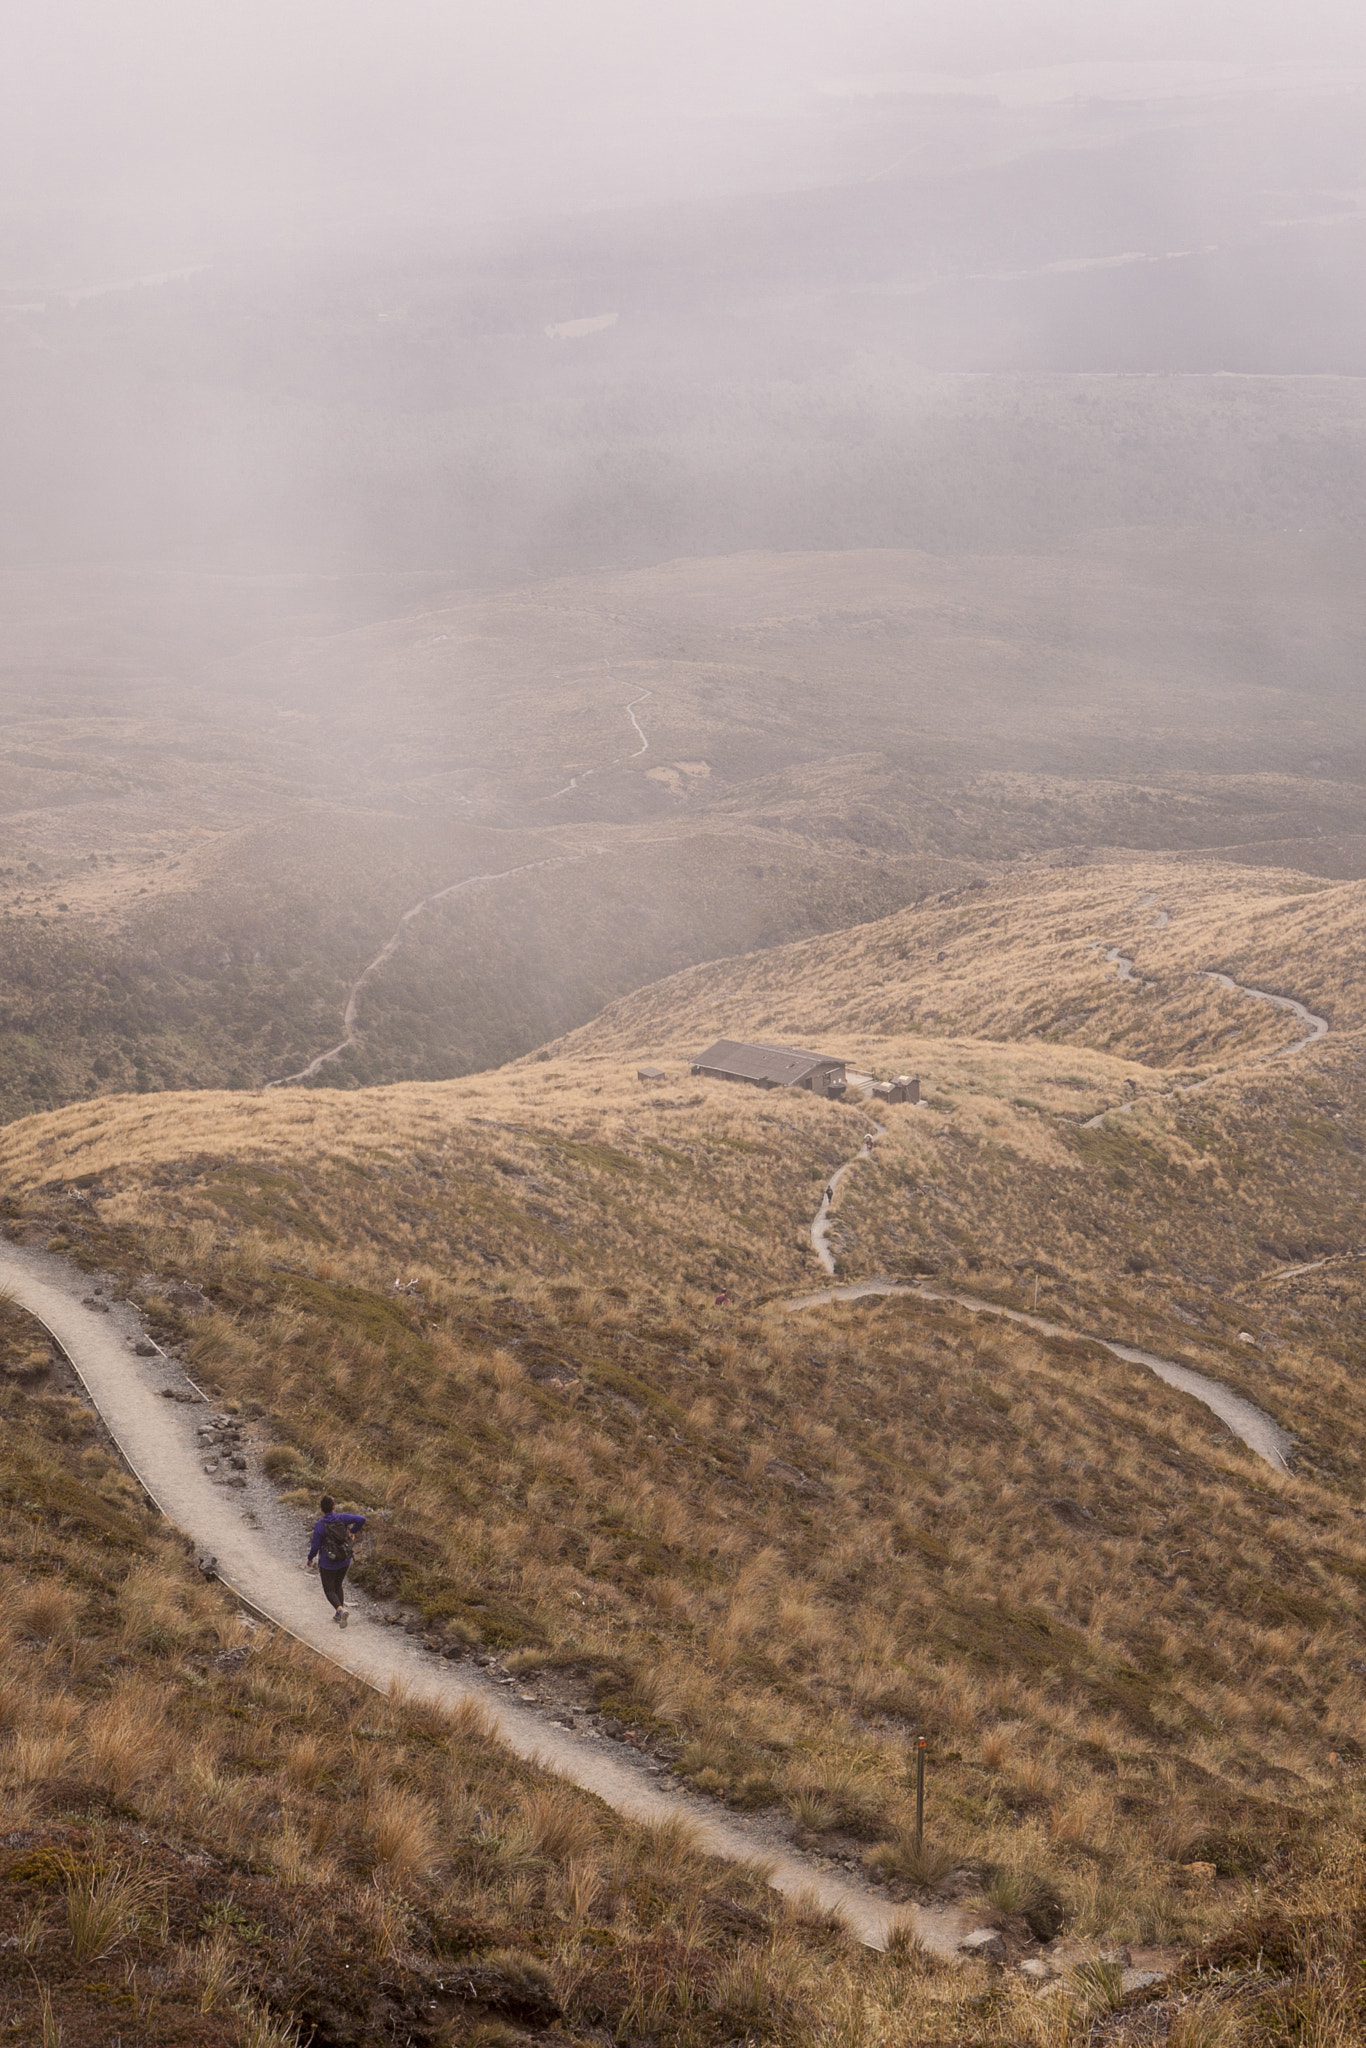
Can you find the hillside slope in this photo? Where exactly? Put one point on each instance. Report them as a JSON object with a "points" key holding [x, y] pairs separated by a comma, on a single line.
{"points": [[775, 1546], [228, 791], [1035, 957]]}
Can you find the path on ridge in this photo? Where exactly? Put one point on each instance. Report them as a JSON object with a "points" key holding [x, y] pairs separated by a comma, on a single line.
{"points": [[258, 1546]]}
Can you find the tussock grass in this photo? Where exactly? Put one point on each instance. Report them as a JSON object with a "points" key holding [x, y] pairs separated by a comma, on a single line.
{"points": [[105, 1903], [235, 1845], [779, 1547]]}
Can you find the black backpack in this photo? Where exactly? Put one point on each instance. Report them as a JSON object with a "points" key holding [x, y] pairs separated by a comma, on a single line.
{"points": [[339, 1545]]}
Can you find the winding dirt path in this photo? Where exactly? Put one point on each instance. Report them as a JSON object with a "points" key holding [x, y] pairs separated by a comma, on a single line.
{"points": [[1318, 1028], [390, 947], [257, 1546], [820, 1222], [577, 781], [1251, 1425]]}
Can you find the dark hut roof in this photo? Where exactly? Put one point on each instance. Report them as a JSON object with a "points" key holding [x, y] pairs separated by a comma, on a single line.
{"points": [[782, 1065]]}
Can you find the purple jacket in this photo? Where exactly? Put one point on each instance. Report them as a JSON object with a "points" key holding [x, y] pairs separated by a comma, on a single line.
{"points": [[354, 1522]]}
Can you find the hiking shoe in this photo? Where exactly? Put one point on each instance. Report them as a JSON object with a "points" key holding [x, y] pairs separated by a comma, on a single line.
{"points": [[342, 1617]]}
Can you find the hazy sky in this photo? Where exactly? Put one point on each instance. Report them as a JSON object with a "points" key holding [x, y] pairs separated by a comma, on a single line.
{"points": [[225, 107]]}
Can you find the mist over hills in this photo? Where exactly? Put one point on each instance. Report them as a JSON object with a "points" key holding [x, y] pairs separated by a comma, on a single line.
{"points": [[797, 367], [209, 839], [861, 556]]}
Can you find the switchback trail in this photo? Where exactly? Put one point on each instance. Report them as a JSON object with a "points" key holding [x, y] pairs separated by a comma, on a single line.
{"points": [[258, 1545], [1318, 1028], [1248, 1423]]}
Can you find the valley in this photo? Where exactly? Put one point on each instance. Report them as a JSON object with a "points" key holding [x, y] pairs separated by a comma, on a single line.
{"points": [[527, 548], [206, 840]]}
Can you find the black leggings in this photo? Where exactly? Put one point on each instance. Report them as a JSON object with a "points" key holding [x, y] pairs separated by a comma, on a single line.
{"points": [[333, 1583]]}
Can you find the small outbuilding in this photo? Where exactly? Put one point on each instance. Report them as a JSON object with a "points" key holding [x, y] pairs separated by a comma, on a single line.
{"points": [[651, 1074], [905, 1088], [771, 1066]]}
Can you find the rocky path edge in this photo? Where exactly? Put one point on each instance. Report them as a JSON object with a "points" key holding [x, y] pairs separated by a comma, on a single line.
{"points": [[258, 1546]]}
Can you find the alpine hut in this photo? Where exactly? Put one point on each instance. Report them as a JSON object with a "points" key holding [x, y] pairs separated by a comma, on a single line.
{"points": [[771, 1066]]}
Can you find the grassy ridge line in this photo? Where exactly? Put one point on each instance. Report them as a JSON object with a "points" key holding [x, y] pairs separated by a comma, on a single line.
{"points": [[1023, 960], [245, 978]]}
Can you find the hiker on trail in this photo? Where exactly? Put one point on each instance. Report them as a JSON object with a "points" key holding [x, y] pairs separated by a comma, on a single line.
{"points": [[334, 1543], [830, 1194]]}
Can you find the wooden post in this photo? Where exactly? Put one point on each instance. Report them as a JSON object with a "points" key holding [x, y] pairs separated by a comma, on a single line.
{"points": [[920, 1793]]}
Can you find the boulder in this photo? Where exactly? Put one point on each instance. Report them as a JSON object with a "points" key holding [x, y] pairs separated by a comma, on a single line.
{"points": [[984, 1942], [1141, 1980]]}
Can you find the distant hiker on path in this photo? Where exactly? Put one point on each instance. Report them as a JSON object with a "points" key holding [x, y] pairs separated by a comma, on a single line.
{"points": [[334, 1544]]}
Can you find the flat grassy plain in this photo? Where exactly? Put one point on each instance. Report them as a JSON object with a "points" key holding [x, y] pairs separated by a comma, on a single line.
{"points": [[775, 1547]]}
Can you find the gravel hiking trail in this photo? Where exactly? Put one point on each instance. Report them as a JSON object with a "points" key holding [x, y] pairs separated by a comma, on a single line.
{"points": [[1249, 1424], [258, 1544], [820, 1222], [1317, 1029]]}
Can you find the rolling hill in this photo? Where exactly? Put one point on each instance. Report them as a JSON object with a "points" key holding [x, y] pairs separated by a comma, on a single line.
{"points": [[541, 1317]]}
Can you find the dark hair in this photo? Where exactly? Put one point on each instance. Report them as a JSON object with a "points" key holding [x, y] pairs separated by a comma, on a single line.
{"points": [[327, 1503]]}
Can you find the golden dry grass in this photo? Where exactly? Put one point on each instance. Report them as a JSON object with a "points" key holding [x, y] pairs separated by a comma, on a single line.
{"points": [[1025, 960], [224, 1835], [778, 1546]]}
